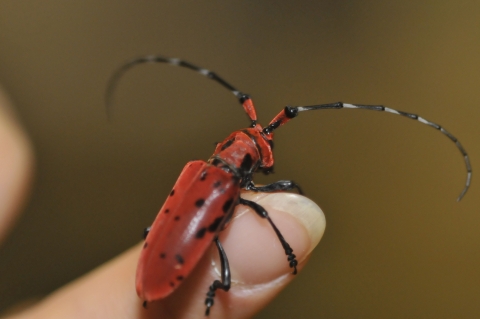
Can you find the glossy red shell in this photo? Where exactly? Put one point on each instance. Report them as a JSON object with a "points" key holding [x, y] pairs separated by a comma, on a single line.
{"points": [[203, 197]]}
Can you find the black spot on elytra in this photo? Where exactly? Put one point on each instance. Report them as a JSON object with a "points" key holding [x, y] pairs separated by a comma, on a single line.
{"points": [[172, 192], [179, 278], [216, 184], [162, 255], [246, 162], [201, 233], [179, 259], [214, 226], [177, 217], [199, 203], [203, 175], [227, 144], [145, 245], [172, 284], [227, 205], [167, 211]]}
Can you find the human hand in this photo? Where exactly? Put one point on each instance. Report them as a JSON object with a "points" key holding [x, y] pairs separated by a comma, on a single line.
{"points": [[257, 261]]}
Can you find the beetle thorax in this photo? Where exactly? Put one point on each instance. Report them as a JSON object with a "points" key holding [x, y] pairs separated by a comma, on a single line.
{"points": [[243, 153]]}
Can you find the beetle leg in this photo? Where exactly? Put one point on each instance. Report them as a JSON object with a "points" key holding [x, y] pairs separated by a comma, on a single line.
{"points": [[146, 231], [217, 284], [263, 213], [283, 185]]}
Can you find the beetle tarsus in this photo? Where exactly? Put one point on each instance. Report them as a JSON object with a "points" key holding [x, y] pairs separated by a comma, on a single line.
{"points": [[217, 284]]}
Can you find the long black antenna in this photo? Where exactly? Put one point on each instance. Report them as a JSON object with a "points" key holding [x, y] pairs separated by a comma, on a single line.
{"points": [[290, 112], [112, 83]]}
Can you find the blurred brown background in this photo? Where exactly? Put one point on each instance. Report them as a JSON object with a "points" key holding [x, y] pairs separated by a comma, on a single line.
{"points": [[397, 243]]}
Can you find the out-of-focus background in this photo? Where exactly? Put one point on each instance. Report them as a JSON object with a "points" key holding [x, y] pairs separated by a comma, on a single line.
{"points": [[397, 244]]}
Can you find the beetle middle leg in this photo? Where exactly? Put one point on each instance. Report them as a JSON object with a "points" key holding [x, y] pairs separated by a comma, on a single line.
{"points": [[283, 185], [217, 284], [292, 259]]}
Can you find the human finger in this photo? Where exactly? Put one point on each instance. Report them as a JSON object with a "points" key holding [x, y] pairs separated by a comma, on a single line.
{"points": [[258, 265]]}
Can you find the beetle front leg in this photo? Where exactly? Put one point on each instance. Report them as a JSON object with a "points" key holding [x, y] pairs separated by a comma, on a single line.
{"points": [[283, 185], [264, 214], [217, 284]]}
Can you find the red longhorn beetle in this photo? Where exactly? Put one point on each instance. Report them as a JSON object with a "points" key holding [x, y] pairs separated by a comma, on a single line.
{"points": [[203, 199]]}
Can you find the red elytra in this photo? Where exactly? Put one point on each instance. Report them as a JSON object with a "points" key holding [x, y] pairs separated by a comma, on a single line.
{"points": [[192, 221], [203, 199]]}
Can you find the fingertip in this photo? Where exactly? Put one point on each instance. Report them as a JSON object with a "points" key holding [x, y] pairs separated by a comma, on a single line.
{"points": [[255, 252], [303, 210], [258, 263]]}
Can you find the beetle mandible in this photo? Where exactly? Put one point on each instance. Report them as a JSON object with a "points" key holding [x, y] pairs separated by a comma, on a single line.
{"points": [[203, 198]]}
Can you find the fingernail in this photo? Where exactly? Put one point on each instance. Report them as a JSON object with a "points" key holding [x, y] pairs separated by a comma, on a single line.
{"points": [[254, 251], [304, 210]]}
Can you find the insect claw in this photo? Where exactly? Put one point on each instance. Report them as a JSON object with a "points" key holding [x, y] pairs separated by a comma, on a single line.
{"points": [[209, 304]]}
